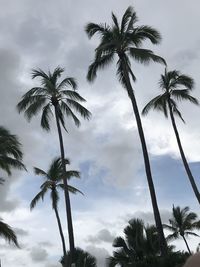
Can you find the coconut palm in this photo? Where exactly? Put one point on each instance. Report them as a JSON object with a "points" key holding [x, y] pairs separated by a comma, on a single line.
{"points": [[140, 243], [7, 233], [52, 184], [55, 97], [175, 87], [125, 40], [82, 258], [10, 151], [182, 224]]}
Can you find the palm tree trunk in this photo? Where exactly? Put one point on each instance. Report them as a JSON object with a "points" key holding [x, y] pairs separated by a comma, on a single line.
{"points": [[61, 232], [186, 244], [163, 244], [66, 193], [185, 163]]}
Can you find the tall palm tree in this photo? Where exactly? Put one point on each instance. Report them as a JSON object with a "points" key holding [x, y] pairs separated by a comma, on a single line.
{"points": [[125, 40], [175, 87], [52, 184], [139, 245], [82, 258], [10, 151], [182, 224], [7, 233], [55, 97]]}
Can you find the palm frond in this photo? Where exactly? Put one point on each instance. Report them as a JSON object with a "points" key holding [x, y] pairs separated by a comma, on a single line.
{"points": [[67, 110], [69, 81], [70, 188], [128, 15], [99, 63], [114, 18], [46, 113], [39, 171], [79, 108], [93, 28], [8, 234], [142, 33], [34, 108], [145, 56], [157, 103], [73, 95], [183, 94], [38, 197]]}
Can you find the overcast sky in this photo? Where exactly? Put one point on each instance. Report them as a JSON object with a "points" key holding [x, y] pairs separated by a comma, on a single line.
{"points": [[106, 149]]}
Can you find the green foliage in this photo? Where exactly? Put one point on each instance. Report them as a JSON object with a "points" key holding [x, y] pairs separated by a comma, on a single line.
{"points": [[82, 258], [10, 151], [124, 39], [52, 94], [176, 87], [140, 248], [52, 183], [182, 223], [8, 234]]}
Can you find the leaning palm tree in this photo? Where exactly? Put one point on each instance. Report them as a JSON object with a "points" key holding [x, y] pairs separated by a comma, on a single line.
{"points": [[52, 184], [182, 224], [125, 40], [10, 152], [175, 87], [8, 234], [82, 258], [55, 97]]}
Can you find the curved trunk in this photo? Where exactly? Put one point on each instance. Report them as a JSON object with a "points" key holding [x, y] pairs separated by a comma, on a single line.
{"points": [[163, 244], [61, 231], [66, 193], [185, 163], [186, 244]]}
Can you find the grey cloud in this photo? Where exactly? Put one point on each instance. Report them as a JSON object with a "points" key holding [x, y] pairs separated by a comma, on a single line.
{"points": [[103, 235], [101, 254], [45, 244], [38, 254], [148, 217], [21, 232]]}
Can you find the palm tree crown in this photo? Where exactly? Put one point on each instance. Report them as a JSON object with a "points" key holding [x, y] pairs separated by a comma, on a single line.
{"points": [[10, 151], [182, 224], [53, 178], [140, 243], [82, 258], [124, 39], [53, 93], [175, 87]]}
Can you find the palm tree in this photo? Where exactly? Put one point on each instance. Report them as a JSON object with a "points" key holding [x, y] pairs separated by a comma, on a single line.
{"points": [[7, 233], [126, 40], [10, 151], [54, 97], [139, 245], [82, 258], [175, 87], [51, 184], [182, 224]]}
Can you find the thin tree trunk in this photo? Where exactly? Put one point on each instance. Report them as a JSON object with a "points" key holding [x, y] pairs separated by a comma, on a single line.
{"points": [[186, 244], [66, 193], [163, 244], [61, 232], [185, 163]]}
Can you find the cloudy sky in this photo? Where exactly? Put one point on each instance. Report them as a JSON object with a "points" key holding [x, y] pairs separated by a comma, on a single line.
{"points": [[106, 149]]}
